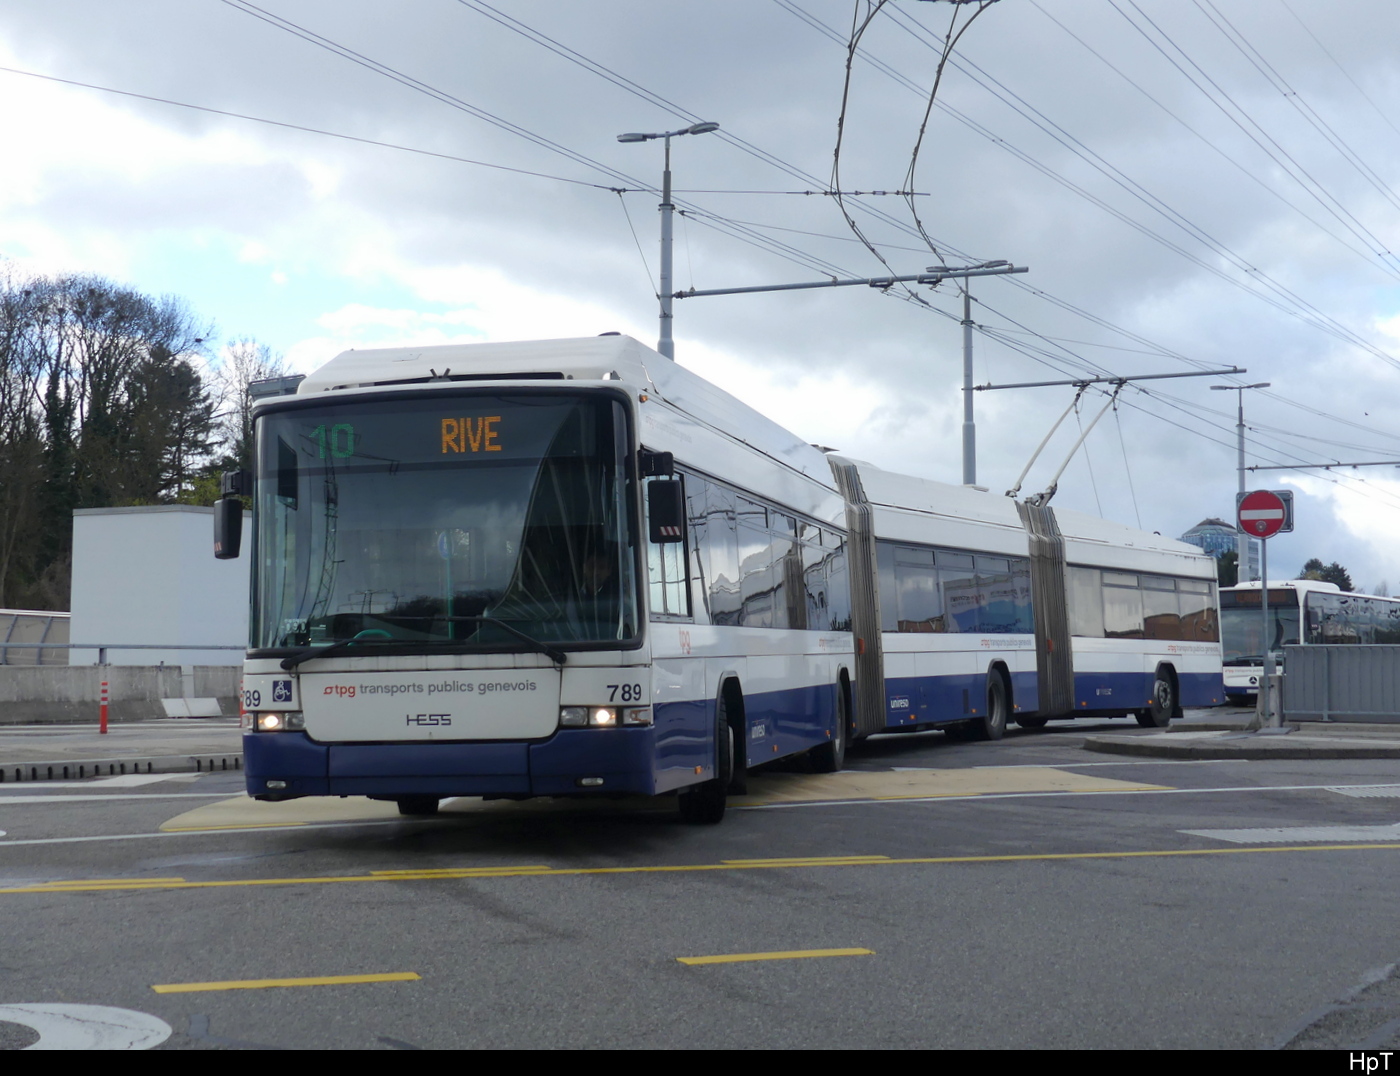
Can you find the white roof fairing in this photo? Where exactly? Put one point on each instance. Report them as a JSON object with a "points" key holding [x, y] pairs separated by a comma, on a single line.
{"points": [[918, 510]]}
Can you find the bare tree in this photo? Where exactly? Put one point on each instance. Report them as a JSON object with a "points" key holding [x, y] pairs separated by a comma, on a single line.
{"points": [[243, 361]]}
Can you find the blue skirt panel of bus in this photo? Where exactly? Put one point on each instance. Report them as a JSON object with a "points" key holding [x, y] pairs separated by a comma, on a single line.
{"points": [[1201, 689], [782, 723], [1120, 692], [926, 700], [292, 757], [622, 757]]}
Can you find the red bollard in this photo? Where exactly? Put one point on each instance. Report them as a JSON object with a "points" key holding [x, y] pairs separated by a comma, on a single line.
{"points": [[102, 725]]}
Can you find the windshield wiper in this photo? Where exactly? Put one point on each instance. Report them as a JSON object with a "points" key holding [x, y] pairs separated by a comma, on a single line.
{"points": [[553, 653], [342, 644]]}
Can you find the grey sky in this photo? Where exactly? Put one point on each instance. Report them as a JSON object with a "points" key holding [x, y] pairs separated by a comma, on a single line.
{"points": [[407, 245]]}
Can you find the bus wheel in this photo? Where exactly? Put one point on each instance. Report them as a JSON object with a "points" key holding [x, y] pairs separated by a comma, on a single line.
{"points": [[1163, 705], [830, 757], [993, 724], [418, 805], [703, 805], [1238, 700]]}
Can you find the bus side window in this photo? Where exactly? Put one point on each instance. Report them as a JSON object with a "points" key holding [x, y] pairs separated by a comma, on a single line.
{"points": [[698, 524], [721, 555], [1085, 593]]}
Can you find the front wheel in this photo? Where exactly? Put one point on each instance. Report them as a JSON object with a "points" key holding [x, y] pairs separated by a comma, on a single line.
{"points": [[703, 805]]}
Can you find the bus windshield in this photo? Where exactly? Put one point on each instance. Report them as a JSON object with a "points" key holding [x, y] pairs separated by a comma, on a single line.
{"points": [[1242, 624], [445, 521]]}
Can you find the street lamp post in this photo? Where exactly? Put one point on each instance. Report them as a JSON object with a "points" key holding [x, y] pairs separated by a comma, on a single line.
{"points": [[1241, 539], [666, 345]]}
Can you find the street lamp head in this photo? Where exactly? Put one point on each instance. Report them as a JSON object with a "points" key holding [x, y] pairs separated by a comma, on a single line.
{"points": [[633, 136], [702, 128], [1237, 388]]}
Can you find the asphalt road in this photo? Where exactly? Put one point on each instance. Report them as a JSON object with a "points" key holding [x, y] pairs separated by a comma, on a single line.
{"points": [[1026, 893]]}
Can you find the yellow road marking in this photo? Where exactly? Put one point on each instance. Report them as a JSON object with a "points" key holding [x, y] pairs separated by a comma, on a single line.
{"points": [[433, 872], [803, 861], [245, 825], [794, 954], [259, 984], [109, 881], [560, 872]]}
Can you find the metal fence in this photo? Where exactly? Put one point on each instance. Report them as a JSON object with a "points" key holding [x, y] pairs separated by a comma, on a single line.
{"points": [[33, 637], [102, 648], [1342, 683]]}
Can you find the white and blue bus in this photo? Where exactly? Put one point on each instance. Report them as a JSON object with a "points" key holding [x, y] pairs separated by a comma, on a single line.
{"points": [[1304, 612], [574, 568]]}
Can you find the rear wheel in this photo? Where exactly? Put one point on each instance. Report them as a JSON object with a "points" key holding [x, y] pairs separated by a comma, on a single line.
{"points": [[993, 723], [830, 757], [1163, 706], [418, 805]]}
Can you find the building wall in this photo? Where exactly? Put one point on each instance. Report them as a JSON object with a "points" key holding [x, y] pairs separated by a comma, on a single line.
{"points": [[148, 575]]}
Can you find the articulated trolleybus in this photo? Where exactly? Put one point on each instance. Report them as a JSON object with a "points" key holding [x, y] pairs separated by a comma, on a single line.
{"points": [[574, 568]]}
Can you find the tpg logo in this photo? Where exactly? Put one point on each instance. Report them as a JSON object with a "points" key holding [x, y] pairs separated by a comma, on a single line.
{"points": [[346, 691]]}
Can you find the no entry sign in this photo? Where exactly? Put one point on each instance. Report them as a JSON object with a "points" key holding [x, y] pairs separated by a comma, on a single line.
{"points": [[1265, 512]]}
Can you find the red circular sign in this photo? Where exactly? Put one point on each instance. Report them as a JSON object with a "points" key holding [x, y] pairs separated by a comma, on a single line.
{"points": [[1262, 514]]}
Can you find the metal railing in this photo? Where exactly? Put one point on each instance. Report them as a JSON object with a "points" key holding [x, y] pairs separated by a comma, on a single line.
{"points": [[102, 648], [1343, 682]]}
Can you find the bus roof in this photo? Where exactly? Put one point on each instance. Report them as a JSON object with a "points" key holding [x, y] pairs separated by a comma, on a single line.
{"points": [[605, 359], [1309, 585]]}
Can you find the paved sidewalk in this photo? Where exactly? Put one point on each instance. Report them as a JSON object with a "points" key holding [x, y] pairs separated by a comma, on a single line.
{"points": [[56, 752], [1222, 739]]}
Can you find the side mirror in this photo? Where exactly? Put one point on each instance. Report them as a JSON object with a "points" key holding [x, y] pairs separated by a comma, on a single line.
{"points": [[665, 511], [228, 527]]}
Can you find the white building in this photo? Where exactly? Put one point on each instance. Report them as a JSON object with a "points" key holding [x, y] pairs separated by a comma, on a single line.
{"points": [[148, 576]]}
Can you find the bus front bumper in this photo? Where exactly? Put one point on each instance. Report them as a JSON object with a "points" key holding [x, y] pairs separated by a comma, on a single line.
{"points": [[284, 765]]}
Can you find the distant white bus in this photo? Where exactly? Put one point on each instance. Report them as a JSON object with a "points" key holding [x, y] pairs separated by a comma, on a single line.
{"points": [[1301, 612], [574, 568]]}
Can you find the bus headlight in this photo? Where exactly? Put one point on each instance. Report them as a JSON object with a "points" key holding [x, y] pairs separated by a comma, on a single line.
{"points": [[289, 721], [602, 717]]}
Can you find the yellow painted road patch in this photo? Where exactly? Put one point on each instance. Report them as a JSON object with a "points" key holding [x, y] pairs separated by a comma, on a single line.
{"points": [[793, 954], [771, 788], [923, 784], [261, 984]]}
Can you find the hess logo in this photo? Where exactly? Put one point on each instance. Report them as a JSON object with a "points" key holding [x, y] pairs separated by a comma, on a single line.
{"points": [[427, 719]]}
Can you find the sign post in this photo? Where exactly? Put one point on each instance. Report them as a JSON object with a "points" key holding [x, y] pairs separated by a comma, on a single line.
{"points": [[1262, 514]]}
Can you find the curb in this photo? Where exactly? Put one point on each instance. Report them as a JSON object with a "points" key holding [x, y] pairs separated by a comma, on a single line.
{"points": [[77, 769], [1112, 745]]}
